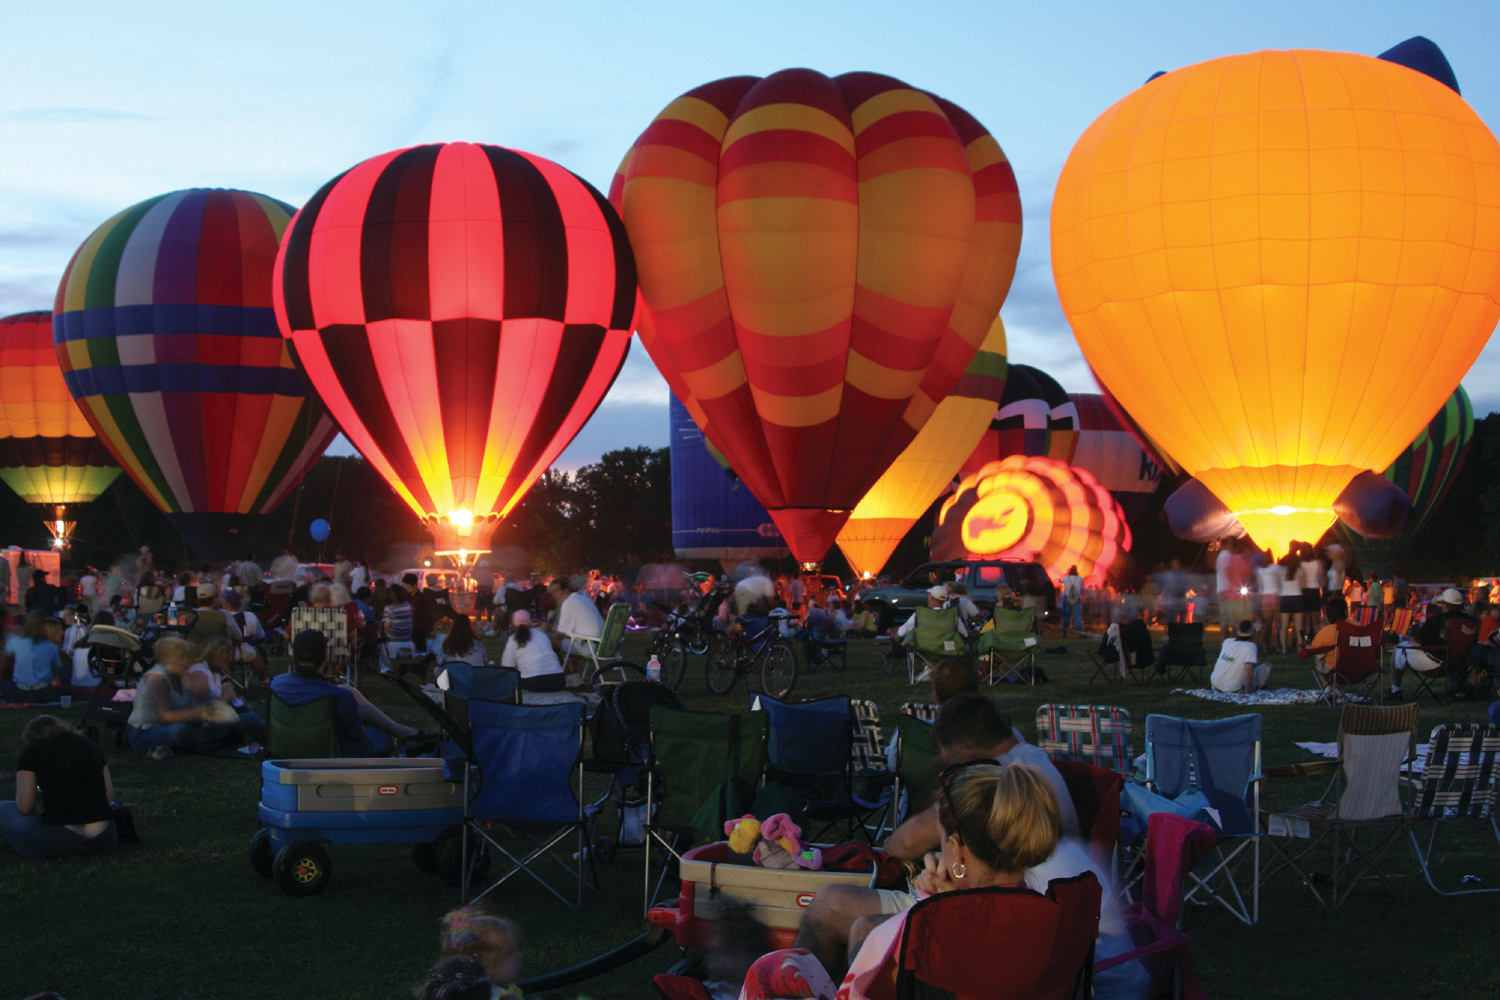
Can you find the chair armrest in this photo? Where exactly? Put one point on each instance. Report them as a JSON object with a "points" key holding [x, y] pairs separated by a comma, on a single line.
{"points": [[1314, 651], [1294, 770]]}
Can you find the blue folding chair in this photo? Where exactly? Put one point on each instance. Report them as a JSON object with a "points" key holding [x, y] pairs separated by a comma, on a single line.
{"points": [[1222, 760], [524, 793], [810, 751]]}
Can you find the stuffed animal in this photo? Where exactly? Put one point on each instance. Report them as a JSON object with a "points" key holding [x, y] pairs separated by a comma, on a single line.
{"points": [[781, 846], [743, 834]]}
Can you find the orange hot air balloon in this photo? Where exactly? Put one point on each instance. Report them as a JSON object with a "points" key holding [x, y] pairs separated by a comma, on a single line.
{"points": [[820, 259], [1281, 264], [930, 463]]}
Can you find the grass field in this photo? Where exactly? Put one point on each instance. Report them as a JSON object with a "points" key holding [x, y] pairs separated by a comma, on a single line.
{"points": [[183, 914]]}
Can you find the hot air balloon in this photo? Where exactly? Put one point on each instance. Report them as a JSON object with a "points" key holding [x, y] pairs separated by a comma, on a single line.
{"points": [[1281, 264], [461, 309], [929, 463], [1110, 453], [1036, 416], [1424, 471], [48, 453], [713, 514], [820, 259], [164, 330], [1031, 508]]}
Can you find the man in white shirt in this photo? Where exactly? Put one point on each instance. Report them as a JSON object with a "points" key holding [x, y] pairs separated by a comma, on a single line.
{"points": [[576, 616], [1071, 600], [1236, 670], [937, 599]]}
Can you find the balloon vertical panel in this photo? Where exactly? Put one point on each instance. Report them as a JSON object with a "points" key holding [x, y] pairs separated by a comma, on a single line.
{"points": [[714, 515]]}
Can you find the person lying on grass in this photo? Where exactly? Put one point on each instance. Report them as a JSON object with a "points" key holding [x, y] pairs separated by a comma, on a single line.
{"points": [[72, 777]]}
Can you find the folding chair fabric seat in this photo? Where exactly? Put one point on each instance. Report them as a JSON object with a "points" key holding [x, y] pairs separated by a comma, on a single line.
{"points": [[1463, 634], [934, 637], [869, 748], [810, 750], [1184, 650], [916, 762], [1012, 643], [1356, 653], [603, 650], [306, 732], [1089, 734], [1095, 792], [332, 622], [1459, 781]]}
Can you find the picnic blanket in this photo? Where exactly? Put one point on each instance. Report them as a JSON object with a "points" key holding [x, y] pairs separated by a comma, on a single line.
{"points": [[1265, 696], [1417, 766]]}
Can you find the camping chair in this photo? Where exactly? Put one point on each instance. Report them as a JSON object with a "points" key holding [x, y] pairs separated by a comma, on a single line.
{"points": [[819, 647], [334, 624], [868, 748], [520, 800], [1125, 650], [810, 752], [1184, 650], [1174, 846], [619, 743], [501, 684], [934, 637], [1365, 615], [1095, 792], [1039, 947], [1374, 743], [1090, 734], [1458, 782], [603, 650], [148, 601], [706, 766], [916, 764], [302, 732], [1011, 644], [1356, 652], [1221, 759], [1454, 654]]}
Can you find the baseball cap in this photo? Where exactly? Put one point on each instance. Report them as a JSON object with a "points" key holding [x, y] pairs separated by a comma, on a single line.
{"points": [[207, 591], [1452, 596], [1245, 629], [309, 647], [940, 592]]}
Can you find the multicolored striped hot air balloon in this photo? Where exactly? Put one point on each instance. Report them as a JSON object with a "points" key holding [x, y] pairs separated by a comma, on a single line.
{"points": [[927, 466], [820, 259], [1425, 471], [462, 309], [164, 330], [1035, 417], [48, 453]]}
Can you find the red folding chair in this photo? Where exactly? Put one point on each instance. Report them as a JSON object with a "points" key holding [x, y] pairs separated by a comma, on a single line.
{"points": [[1356, 657], [1096, 796], [1463, 633]]}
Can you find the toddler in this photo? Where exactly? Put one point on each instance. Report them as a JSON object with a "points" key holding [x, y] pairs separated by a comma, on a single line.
{"points": [[493, 941]]}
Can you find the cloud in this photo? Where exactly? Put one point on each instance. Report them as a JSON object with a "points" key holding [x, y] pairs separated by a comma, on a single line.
{"points": [[70, 116]]}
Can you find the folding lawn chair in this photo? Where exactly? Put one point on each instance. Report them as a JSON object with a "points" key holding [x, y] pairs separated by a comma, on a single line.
{"points": [[521, 800], [1458, 782], [1453, 655], [1095, 792], [934, 637], [620, 742], [869, 749], [1356, 657], [706, 766], [489, 683], [1365, 615], [810, 753], [1011, 644], [334, 624], [1090, 734], [1174, 846], [1374, 743], [1183, 650], [302, 732], [602, 651], [1221, 759], [1039, 947], [916, 764]]}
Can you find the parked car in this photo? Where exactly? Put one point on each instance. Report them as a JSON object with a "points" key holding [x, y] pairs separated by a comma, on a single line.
{"points": [[980, 577]]}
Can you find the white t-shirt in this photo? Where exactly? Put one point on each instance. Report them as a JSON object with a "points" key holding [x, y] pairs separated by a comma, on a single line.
{"points": [[578, 616], [88, 589], [1036, 758], [1269, 578], [534, 659], [1310, 575], [1229, 668], [358, 577], [252, 630], [1221, 570]]}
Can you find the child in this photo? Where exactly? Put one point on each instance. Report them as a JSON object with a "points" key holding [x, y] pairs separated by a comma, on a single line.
{"points": [[494, 941], [454, 978]]}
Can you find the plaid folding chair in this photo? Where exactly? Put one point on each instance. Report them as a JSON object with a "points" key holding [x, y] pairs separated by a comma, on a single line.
{"points": [[524, 794], [934, 637], [1356, 658], [1184, 650], [810, 752], [1374, 744], [334, 624], [1011, 644], [869, 748], [1458, 782], [1089, 734], [1221, 759]]}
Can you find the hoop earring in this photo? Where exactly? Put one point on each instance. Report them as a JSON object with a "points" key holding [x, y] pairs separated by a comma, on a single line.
{"points": [[958, 869]]}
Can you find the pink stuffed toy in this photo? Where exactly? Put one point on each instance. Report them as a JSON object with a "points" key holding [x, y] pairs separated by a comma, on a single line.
{"points": [[781, 846]]}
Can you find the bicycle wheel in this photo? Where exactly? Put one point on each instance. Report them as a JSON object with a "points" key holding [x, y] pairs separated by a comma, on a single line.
{"points": [[617, 672], [719, 671], [674, 664], [778, 669]]}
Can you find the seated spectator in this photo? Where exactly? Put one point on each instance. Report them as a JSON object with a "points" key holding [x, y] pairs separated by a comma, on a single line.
{"points": [[1236, 669], [212, 621], [457, 978], [863, 624], [250, 650], [1432, 632], [38, 674], [163, 716], [459, 655], [967, 609], [494, 942], [209, 681], [937, 599], [532, 656], [72, 776], [1337, 611], [363, 729], [576, 614], [1484, 614], [950, 677]]}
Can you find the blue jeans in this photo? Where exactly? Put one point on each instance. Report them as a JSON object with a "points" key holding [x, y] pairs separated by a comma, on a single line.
{"points": [[178, 736], [254, 726], [1072, 616], [29, 837]]}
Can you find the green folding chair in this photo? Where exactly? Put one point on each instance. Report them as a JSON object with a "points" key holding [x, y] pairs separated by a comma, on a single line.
{"points": [[916, 764], [707, 766], [1011, 645], [603, 651], [934, 636], [302, 732]]}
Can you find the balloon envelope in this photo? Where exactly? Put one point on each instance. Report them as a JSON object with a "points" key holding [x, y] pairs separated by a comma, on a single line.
{"points": [[462, 309], [1281, 264], [820, 259], [1107, 450], [714, 516], [1035, 417], [165, 334]]}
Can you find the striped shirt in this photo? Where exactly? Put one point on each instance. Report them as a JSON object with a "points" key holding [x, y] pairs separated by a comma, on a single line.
{"points": [[397, 620]]}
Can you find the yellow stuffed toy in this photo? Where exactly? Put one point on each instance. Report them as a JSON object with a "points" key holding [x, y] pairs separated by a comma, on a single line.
{"points": [[743, 834]]}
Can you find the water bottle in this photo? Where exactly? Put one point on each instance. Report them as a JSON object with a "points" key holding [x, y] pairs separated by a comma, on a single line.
{"points": [[653, 668], [172, 613]]}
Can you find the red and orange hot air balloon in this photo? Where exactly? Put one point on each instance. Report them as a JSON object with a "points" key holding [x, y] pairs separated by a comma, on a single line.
{"points": [[461, 309], [820, 258]]}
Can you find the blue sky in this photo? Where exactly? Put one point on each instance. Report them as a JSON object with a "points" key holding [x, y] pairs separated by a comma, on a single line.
{"points": [[104, 104]]}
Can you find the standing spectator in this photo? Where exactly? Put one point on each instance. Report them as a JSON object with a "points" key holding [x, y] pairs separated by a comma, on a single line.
{"points": [[1291, 600], [359, 576], [1174, 592], [1310, 575], [251, 577], [421, 626], [1070, 602], [88, 591], [72, 777], [438, 602], [37, 671], [342, 567], [7, 587]]}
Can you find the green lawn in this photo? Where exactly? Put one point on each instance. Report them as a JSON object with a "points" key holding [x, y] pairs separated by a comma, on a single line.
{"points": [[183, 915]]}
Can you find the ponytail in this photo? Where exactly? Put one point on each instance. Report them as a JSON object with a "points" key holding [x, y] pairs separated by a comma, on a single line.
{"points": [[523, 635]]}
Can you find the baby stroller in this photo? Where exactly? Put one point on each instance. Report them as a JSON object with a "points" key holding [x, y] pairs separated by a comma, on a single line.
{"points": [[620, 733], [114, 653]]}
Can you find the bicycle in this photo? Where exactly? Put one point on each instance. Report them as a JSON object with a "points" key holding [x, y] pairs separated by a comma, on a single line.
{"points": [[732, 658], [685, 634]]}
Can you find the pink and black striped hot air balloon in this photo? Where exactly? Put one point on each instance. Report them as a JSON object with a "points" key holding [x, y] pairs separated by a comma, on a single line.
{"points": [[461, 309]]}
